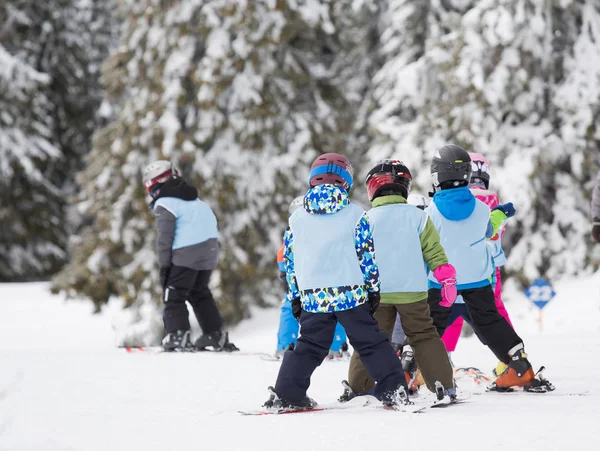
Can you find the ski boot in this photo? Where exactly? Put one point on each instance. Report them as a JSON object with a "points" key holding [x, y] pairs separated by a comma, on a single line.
{"points": [[411, 370], [218, 341], [398, 348], [280, 352], [340, 354], [348, 392], [178, 341], [278, 403], [443, 395], [518, 373], [416, 382], [396, 398]]}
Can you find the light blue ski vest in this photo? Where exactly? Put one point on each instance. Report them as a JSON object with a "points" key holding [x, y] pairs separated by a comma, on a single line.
{"points": [[324, 249], [397, 231], [195, 222], [466, 246]]}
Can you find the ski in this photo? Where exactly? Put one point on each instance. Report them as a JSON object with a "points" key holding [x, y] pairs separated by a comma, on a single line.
{"points": [[278, 411], [355, 403], [160, 350], [518, 391], [447, 403], [154, 350], [478, 376]]}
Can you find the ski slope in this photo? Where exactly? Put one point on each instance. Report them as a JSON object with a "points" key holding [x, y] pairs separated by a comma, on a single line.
{"points": [[64, 386]]}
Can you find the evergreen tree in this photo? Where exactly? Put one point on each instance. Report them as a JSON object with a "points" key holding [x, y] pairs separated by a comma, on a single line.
{"points": [[516, 81], [241, 96], [49, 58], [399, 86]]}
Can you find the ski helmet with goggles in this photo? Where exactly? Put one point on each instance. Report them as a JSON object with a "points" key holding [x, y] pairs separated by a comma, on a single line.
{"points": [[480, 171], [451, 167], [388, 177], [331, 168], [295, 204], [156, 174]]}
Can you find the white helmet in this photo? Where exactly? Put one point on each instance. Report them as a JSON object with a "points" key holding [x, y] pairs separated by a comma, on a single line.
{"points": [[158, 172], [418, 200], [295, 204]]}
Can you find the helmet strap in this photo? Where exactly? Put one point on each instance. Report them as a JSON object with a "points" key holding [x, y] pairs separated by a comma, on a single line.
{"points": [[155, 190]]}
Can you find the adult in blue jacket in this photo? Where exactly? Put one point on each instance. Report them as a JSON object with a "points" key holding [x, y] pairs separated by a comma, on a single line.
{"points": [[188, 249]]}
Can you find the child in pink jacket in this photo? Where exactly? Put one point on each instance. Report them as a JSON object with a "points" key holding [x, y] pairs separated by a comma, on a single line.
{"points": [[479, 185]]}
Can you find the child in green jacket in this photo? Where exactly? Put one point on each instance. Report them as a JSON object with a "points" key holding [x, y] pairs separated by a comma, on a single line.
{"points": [[406, 243]]}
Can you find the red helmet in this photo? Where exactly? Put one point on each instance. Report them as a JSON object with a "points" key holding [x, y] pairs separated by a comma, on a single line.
{"points": [[331, 168], [388, 177]]}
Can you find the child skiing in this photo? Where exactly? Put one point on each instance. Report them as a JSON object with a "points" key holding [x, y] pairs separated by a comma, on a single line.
{"points": [[333, 277], [463, 223], [479, 186], [289, 328], [406, 241], [187, 242]]}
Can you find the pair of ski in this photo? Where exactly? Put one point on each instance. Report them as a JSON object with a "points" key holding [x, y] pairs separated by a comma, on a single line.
{"points": [[358, 402]]}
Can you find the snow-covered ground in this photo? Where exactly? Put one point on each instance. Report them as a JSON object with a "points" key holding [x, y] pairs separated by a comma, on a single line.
{"points": [[64, 386]]}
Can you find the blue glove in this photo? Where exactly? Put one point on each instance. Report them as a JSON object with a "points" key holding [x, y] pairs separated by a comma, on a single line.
{"points": [[508, 209]]}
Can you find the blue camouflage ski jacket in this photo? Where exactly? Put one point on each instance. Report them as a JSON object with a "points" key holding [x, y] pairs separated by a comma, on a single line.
{"points": [[329, 254]]}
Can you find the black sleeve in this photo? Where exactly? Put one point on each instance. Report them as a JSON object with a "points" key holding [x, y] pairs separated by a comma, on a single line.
{"points": [[165, 234]]}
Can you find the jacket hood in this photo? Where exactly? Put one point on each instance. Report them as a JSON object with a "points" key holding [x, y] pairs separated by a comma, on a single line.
{"points": [[455, 204], [176, 187], [325, 199]]}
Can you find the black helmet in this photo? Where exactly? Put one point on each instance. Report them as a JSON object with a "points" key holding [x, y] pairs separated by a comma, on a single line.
{"points": [[388, 177], [451, 167]]}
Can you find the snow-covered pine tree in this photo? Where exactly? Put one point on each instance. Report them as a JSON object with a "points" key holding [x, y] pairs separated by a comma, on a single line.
{"points": [[576, 105], [506, 96], [514, 80], [488, 65], [398, 90], [32, 234], [241, 96], [49, 55]]}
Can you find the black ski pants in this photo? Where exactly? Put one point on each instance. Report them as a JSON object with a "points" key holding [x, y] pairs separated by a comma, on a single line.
{"points": [[460, 310], [186, 284], [316, 334], [488, 324]]}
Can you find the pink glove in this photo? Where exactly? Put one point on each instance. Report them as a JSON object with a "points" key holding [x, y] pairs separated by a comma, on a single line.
{"points": [[446, 276]]}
